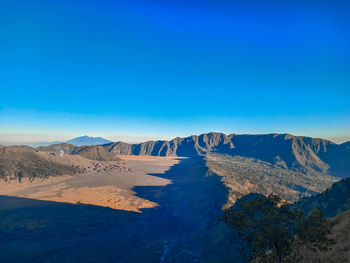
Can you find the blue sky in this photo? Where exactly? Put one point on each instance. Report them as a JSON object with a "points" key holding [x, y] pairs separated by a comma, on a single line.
{"points": [[138, 70]]}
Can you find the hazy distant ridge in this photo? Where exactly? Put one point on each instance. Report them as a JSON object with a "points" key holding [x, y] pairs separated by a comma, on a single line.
{"points": [[78, 141]]}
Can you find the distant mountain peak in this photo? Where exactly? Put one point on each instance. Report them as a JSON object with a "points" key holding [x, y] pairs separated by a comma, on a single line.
{"points": [[87, 140], [84, 140]]}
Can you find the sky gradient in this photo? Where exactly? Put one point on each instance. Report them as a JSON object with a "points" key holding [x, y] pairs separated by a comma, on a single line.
{"points": [[139, 70]]}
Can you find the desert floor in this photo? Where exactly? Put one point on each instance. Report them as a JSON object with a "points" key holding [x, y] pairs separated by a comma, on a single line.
{"points": [[112, 189]]}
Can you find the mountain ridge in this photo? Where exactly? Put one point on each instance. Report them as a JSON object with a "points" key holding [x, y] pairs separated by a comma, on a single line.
{"points": [[291, 166], [298, 153], [334, 200], [284, 150]]}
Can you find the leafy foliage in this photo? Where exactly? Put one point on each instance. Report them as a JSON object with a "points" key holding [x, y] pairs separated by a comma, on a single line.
{"points": [[273, 231]]}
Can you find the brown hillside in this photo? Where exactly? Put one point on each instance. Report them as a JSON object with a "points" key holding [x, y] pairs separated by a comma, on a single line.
{"points": [[22, 161], [97, 153]]}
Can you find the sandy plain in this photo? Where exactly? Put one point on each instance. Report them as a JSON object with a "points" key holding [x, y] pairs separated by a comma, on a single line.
{"points": [[108, 188]]}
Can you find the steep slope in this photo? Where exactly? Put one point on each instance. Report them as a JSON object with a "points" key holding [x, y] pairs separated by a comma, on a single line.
{"points": [[340, 232], [292, 152], [185, 147], [338, 156], [332, 201], [242, 175], [338, 252]]}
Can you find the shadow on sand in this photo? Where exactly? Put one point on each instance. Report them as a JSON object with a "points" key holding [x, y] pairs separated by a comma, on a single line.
{"points": [[183, 228]]}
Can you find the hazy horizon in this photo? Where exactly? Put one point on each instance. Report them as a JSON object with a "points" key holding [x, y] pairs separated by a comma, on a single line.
{"points": [[12, 139]]}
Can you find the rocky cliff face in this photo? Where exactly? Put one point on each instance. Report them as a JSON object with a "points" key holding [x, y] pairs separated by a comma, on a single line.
{"points": [[283, 150], [185, 147]]}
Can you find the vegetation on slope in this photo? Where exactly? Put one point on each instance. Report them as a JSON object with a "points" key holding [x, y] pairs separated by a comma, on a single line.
{"points": [[262, 222], [274, 232], [332, 201]]}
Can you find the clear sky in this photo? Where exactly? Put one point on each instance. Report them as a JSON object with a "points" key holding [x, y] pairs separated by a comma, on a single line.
{"points": [[138, 70]]}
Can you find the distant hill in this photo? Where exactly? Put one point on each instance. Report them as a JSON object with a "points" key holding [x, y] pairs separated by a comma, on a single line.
{"points": [[46, 143], [18, 162], [92, 152], [24, 162], [86, 141], [78, 141], [58, 149], [97, 153]]}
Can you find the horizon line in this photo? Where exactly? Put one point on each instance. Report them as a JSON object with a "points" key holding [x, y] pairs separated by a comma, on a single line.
{"points": [[142, 139]]}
